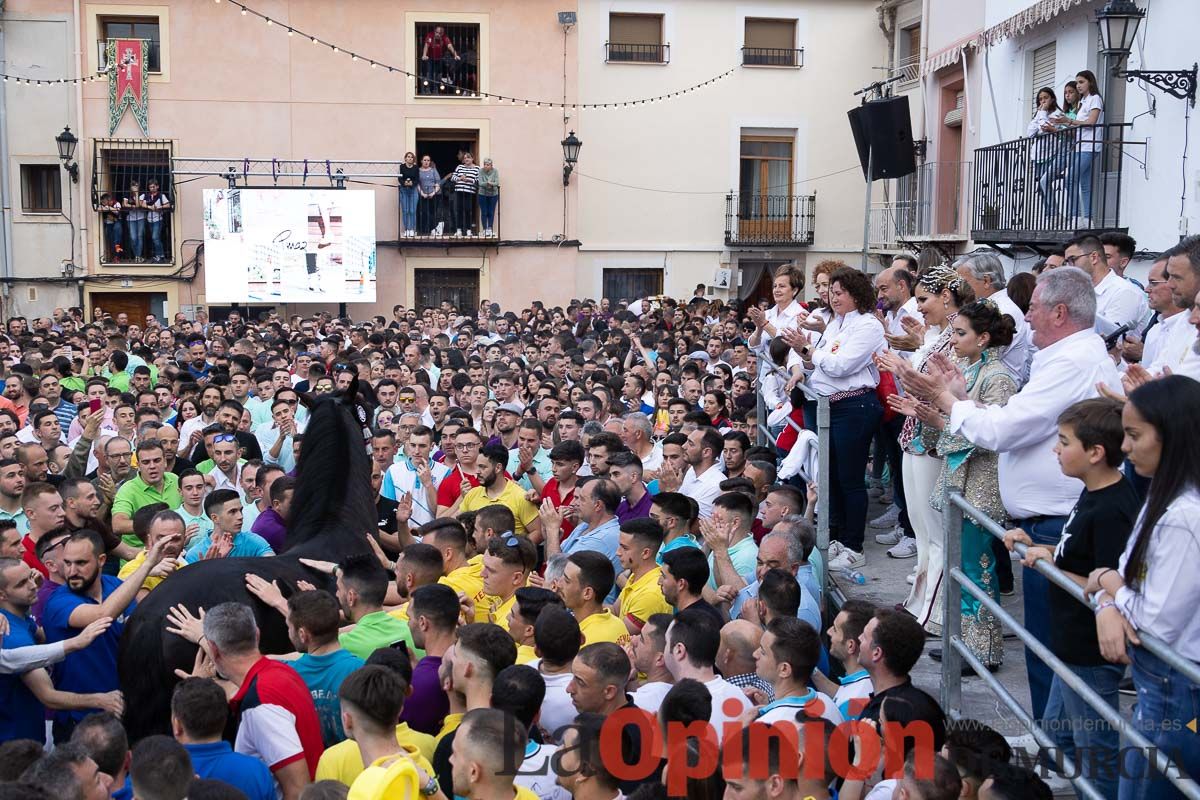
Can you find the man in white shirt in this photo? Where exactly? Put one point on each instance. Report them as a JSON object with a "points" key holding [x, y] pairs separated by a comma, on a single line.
{"points": [[894, 288], [636, 433], [416, 475], [692, 644], [1117, 300], [1178, 338], [1070, 363], [984, 273], [1158, 291], [702, 482]]}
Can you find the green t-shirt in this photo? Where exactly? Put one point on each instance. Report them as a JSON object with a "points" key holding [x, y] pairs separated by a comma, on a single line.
{"points": [[135, 494], [377, 630]]}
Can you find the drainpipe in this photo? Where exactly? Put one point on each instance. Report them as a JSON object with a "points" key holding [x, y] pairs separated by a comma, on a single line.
{"points": [[82, 227], [924, 121], [6, 259]]}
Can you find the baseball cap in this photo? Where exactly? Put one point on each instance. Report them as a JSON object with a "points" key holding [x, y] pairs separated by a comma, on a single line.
{"points": [[511, 408], [699, 355]]}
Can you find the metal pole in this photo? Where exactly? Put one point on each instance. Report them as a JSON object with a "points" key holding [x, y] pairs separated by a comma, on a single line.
{"points": [[867, 206], [6, 254], [823, 444], [952, 523]]}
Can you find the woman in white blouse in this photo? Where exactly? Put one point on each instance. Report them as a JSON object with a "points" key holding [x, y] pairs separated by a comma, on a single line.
{"points": [[1088, 147], [839, 365], [1154, 589], [785, 290]]}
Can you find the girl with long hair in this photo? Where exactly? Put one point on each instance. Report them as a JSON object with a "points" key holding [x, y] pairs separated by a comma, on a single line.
{"points": [[1088, 147], [1154, 588]]}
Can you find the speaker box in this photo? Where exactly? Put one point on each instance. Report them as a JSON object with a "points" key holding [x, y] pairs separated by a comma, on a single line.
{"points": [[883, 135]]}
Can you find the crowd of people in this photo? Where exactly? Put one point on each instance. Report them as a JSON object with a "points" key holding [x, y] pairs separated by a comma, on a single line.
{"points": [[584, 551]]}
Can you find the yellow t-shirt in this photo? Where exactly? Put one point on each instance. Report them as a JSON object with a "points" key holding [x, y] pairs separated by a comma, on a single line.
{"points": [[513, 496], [343, 762], [603, 627], [525, 654], [131, 567], [500, 609], [468, 581], [449, 725], [400, 612], [642, 598]]}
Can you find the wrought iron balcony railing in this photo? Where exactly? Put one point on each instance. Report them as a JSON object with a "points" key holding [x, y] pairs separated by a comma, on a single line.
{"points": [[770, 219]]}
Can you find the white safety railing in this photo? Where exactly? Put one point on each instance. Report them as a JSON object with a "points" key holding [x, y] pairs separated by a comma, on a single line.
{"points": [[955, 651]]}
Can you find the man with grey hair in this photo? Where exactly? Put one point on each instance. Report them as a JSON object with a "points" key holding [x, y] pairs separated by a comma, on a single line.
{"points": [[637, 433], [1070, 363], [276, 719], [783, 548], [68, 773], [984, 273]]}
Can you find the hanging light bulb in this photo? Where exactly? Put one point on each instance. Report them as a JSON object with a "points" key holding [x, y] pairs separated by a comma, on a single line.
{"points": [[314, 40], [243, 11]]}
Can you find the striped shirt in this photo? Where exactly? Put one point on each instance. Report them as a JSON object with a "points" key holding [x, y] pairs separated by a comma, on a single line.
{"points": [[466, 178]]}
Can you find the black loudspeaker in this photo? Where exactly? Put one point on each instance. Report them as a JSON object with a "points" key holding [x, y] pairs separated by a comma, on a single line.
{"points": [[884, 127]]}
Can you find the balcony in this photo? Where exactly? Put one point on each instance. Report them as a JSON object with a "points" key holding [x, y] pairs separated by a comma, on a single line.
{"points": [[770, 219], [1031, 191], [153, 64], [930, 205], [772, 57], [628, 53], [437, 222], [908, 70]]}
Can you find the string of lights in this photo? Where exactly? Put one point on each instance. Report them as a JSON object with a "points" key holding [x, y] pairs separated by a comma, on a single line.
{"points": [[460, 90], [26, 81]]}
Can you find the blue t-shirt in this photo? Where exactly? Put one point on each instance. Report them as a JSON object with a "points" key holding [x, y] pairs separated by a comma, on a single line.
{"points": [[323, 675], [217, 761], [245, 545], [92, 670], [22, 716]]}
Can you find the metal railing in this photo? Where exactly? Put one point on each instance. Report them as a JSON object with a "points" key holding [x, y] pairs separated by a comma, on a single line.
{"points": [[770, 218], [931, 203], [1037, 189], [955, 651], [765, 367], [908, 70], [772, 57], [153, 57], [637, 53], [438, 218], [447, 76]]}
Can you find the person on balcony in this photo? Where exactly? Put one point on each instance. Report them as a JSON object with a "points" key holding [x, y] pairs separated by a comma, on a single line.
{"points": [[429, 194], [157, 205], [434, 51], [1090, 143], [110, 215], [1049, 155], [466, 184], [135, 219], [410, 177], [489, 196]]}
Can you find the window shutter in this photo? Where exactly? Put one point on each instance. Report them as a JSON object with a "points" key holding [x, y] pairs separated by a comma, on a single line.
{"points": [[1043, 71], [771, 33], [644, 29]]}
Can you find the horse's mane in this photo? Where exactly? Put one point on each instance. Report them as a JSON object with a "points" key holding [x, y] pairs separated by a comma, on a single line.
{"points": [[333, 494]]}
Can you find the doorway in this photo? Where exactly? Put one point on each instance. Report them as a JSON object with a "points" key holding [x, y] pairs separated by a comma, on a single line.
{"points": [[458, 287], [137, 305], [444, 144]]}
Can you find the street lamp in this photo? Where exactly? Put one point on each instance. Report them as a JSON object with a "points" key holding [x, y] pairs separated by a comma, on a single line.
{"points": [[1118, 21], [66, 151], [570, 146]]}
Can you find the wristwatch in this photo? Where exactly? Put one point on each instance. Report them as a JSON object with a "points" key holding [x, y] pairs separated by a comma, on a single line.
{"points": [[430, 788]]}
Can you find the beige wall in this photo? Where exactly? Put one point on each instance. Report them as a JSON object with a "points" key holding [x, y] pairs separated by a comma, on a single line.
{"points": [[690, 144], [235, 87]]}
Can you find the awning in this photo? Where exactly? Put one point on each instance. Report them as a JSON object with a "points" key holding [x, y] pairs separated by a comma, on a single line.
{"points": [[1037, 14], [949, 55]]}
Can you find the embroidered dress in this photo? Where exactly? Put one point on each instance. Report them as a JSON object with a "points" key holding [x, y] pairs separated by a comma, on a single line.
{"points": [[974, 472]]}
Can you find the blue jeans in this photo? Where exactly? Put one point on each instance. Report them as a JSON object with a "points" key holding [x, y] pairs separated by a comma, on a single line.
{"points": [[156, 245], [1080, 185], [1080, 732], [852, 426], [1166, 703], [1048, 172], [1036, 591], [408, 208], [112, 232], [487, 210], [137, 232]]}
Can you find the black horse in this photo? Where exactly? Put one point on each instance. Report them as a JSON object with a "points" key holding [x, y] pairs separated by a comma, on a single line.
{"points": [[332, 509]]}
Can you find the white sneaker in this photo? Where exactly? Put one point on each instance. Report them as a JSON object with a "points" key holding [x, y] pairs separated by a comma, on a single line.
{"points": [[847, 559], [910, 578], [891, 537], [488, 233], [889, 519], [458, 233], [835, 550], [905, 548]]}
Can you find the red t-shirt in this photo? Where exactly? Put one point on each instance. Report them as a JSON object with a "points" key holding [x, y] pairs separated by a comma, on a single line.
{"points": [[450, 489], [29, 556], [436, 44], [551, 490], [277, 721]]}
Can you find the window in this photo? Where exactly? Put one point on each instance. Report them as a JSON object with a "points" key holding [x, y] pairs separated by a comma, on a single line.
{"points": [[41, 188], [908, 64], [130, 28], [1042, 74], [459, 287], [637, 38], [627, 285], [771, 43], [118, 164], [447, 59]]}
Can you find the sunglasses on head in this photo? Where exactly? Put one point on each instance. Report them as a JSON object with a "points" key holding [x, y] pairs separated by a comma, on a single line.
{"points": [[220, 438]]}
